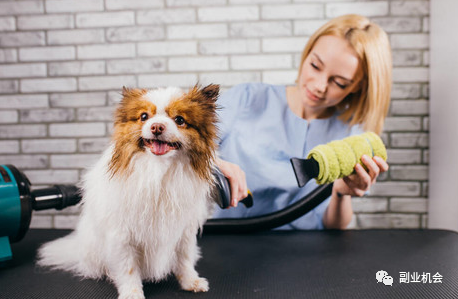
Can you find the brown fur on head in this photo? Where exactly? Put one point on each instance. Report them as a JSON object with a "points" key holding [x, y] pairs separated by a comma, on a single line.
{"points": [[197, 107]]}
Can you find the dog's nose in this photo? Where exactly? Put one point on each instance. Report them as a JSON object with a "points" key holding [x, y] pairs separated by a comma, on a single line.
{"points": [[157, 129]]}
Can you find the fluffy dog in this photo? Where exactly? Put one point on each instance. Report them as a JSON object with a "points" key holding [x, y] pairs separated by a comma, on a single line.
{"points": [[146, 198]]}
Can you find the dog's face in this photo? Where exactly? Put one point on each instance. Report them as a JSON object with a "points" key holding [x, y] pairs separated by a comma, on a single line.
{"points": [[166, 122]]}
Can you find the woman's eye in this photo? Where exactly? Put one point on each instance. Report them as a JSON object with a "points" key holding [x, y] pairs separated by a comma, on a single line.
{"points": [[179, 120], [144, 116], [314, 65], [342, 86]]}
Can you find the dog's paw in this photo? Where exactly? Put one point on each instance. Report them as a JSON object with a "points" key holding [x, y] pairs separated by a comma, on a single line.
{"points": [[196, 285], [134, 294]]}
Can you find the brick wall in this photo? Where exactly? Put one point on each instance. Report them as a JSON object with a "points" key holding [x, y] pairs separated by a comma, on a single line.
{"points": [[63, 63]]}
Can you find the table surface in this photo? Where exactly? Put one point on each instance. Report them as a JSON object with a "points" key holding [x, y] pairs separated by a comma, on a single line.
{"points": [[276, 264]]}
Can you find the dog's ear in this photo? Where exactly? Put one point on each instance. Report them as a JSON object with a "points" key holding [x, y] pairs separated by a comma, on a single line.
{"points": [[210, 92], [125, 91]]}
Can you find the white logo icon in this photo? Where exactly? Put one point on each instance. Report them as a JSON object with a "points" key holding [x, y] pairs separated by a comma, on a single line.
{"points": [[382, 276]]}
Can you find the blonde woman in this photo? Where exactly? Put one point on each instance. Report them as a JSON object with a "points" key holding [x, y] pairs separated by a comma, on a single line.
{"points": [[343, 88]]}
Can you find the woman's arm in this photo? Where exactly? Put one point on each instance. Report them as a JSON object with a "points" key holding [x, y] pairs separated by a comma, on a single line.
{"points": [[339, 212]]}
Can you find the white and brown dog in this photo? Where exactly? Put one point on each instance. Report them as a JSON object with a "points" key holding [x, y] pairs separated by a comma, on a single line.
{"points": [[148, 195]]}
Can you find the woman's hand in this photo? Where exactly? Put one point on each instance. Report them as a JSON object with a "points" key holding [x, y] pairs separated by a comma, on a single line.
{"points": [[359, 183], [237, 180]]}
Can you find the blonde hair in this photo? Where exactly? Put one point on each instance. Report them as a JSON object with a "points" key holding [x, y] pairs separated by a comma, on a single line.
{"points": [[369, 105]]}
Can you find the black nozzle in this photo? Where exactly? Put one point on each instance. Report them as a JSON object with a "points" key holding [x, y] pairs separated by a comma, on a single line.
{"points": [[222, 192], [56, 197], [305, 170]]}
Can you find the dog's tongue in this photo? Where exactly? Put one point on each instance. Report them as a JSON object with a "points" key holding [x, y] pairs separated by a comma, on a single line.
{"points": [[160, 148]]}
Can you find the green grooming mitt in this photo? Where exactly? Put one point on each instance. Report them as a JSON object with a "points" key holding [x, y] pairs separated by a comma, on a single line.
{"points": [[346, 162], [360, 147], [378, 148], [329, 165]]}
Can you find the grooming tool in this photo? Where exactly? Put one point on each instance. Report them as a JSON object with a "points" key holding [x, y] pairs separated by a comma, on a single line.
{"points": [[17, 202], [222, 191], [337, 159]]}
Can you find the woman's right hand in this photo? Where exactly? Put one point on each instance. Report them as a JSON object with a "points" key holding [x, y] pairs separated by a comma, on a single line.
{"points": [[237, 180]]}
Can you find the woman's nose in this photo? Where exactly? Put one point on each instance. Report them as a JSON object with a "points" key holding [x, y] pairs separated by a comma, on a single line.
{"points": [[321, 84]]}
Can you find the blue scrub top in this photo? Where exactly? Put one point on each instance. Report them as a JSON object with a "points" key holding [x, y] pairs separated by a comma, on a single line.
{"points": [[259, 132]]}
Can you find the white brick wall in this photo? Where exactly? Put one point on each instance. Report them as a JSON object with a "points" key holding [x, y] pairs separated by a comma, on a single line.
{"points": [[63, 63]]}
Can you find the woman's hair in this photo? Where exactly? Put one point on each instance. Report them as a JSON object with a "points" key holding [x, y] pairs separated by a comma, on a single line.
{"points": [[369, 105]]}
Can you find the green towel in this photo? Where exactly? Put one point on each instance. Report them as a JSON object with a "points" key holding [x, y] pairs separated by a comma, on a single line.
{"points": [[338, 158]]}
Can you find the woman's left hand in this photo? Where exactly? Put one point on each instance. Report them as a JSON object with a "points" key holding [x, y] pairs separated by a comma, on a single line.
{"points": [[358, 183]]}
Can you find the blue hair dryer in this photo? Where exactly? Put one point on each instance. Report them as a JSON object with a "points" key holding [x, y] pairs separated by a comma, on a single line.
{"points": [[17, 202]]}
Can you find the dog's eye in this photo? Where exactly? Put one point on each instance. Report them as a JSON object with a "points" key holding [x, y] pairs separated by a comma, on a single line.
{"points": [[179, 120], [144, 116]]}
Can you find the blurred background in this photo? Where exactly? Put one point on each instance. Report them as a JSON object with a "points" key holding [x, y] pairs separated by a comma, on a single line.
{"points": [[63, 64]]}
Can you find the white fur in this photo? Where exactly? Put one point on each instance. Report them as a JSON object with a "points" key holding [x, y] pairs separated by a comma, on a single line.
{"points": [[141, 226]]}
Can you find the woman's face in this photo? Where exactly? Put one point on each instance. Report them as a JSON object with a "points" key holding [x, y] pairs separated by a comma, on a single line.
{"points": [[329, 73]]}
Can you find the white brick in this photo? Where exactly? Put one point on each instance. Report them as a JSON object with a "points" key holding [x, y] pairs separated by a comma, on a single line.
{"points": [[25, 161], [9, 86], [96, 114], [279, 77], [396, 189], [287, 44], [22, 39], [45, 22], [407, 58], [292, 12], [41, 221], [77, 130], [197, 31], [106, 51], [65, 221], [410, 107], [411, 74], [73, 161], [369, 9], [409, 140], [258, 1], [7, 24], [105, 19], [246, 62], [308, 27], [18, 131], [369, 204], [167, 48], [57, 6], [106, 82], [162, 80], [426, 58], [45, 146], [51, 177], [48, 85], [21, 7], [229, 78], [8, 116], [393, 124], [23, 70], [391, 24], [137, 33], [9, 146], [405, 91], [93, 145], [23, 101], [198, 63], [404, 156], [229, 46], [76, 68], [194, 2], [367, 221], [135, 66], [261, 29], [47, 53], [410, 41], [166, 16], [80, 99], [131, 4], [8, 55], [47, 115], [426, 23], [409, 173], [76, 36], [409, 8], [228, 14]]}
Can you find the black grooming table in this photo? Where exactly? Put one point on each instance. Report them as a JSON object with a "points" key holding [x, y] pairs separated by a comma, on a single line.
{"points": [[308, 264]]}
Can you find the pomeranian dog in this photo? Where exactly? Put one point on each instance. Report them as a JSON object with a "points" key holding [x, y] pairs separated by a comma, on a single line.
{"points": [[147, 197]]}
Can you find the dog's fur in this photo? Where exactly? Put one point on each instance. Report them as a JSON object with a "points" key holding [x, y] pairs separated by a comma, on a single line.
{"points": [[146, 198]]}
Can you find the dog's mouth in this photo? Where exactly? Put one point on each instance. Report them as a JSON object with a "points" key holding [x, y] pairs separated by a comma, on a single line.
{"points": [[159, 147]]}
